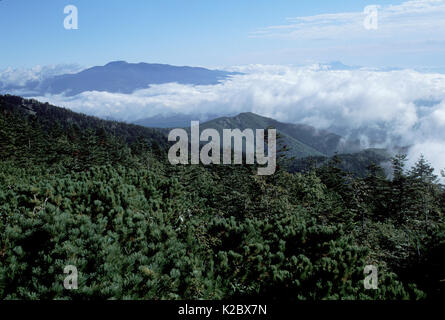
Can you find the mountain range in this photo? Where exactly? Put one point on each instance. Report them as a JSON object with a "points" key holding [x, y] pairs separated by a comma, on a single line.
{"points": [[305, 144]]}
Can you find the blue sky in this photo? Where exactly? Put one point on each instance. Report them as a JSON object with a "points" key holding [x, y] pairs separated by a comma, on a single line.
{"points": [[202, 32]]}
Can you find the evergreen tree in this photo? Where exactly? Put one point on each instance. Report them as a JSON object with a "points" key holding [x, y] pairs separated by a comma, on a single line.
{"points": [[423, 188], [399, 196]]}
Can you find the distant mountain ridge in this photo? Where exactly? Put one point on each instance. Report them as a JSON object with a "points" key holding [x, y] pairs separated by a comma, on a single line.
{"points": [[122, 77], [302, 140], [174, 120]]}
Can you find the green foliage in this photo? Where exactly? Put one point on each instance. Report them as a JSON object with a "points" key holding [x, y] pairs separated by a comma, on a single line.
{"points": [[73, 192]]}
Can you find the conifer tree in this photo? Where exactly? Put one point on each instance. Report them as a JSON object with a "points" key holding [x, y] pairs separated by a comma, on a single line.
{"points": [[423, 189], [399, 185]]}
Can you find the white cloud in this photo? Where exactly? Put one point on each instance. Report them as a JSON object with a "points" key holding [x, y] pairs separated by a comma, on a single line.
{"points": [[409, 106], [20, 76], [406, 20], [408, 35]]}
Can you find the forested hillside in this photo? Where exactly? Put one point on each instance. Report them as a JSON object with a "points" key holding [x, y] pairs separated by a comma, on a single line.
{"points": [[357, 163], [301, 140], [76, 190]]}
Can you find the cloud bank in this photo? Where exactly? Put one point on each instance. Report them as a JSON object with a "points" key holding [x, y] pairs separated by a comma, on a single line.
{"points": [[382, 108], [17, 77]]}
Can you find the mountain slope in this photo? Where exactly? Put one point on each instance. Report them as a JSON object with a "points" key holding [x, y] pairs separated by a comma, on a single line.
{"points": [[357, 163], [48, 115], [173, 120], [71, 139], [302, 140], [41, 134]]}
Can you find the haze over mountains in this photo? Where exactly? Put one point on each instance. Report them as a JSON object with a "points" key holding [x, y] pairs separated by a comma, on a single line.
{"points": [[121, 77], [379, 108], [175, 120], [304, 142]]}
